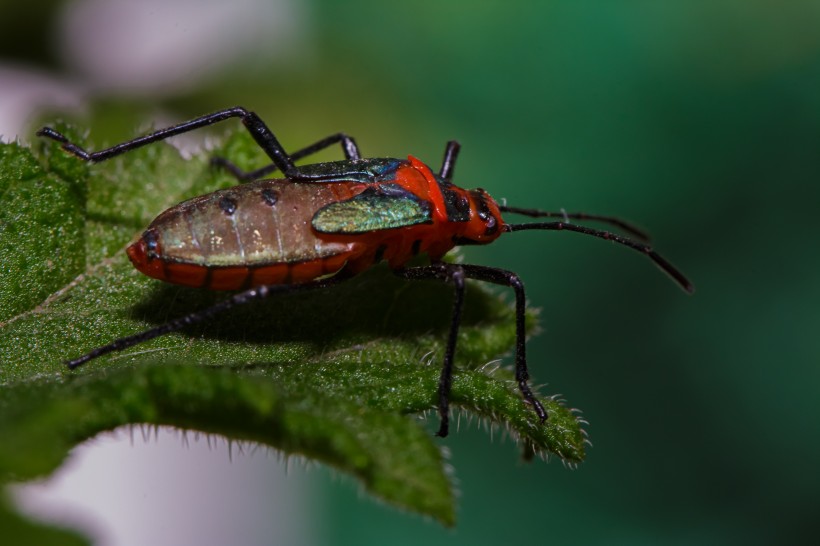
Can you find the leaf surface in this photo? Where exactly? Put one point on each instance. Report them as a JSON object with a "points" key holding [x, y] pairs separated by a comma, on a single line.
{"points": [[339, 375]]}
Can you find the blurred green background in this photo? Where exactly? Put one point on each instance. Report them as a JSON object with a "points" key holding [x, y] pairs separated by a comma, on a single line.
{"points": [[699, 120]]}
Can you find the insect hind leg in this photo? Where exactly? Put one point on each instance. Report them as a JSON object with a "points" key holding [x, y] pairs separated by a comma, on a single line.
{"points": [[259, 292], [252, 122]]}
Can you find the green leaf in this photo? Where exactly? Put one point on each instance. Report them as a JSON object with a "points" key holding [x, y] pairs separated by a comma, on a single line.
{"points": [[42, 244], [339, 375]]}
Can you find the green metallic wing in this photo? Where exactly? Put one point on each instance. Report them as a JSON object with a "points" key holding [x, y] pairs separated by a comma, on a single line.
{"points": [[387, 207]]}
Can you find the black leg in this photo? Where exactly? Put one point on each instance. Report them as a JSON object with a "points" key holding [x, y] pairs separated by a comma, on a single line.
{"points": [[255, 126], [247, 296], [349, 147], [456, 273], [508, 278], [449, 162]]}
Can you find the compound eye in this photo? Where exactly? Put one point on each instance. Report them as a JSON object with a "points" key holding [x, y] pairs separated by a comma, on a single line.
{"points": [[492, 225]]}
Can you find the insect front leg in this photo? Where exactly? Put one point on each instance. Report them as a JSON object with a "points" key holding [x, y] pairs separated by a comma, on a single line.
{"points": [[456, 273], [349, 147], [508, 278], [452, 273]]}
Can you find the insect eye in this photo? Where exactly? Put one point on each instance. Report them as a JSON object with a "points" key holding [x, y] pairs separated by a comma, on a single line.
{"points": [[490, 223]]}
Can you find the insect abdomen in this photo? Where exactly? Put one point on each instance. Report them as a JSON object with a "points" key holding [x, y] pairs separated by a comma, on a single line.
{"points": [[250, 235]]}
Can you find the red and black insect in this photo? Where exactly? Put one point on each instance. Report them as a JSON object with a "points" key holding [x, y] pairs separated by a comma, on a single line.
{"points": [[323, 223]]}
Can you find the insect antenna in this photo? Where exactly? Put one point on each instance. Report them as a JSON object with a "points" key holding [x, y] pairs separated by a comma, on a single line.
{"points": [[617, 222], [643, 248]]}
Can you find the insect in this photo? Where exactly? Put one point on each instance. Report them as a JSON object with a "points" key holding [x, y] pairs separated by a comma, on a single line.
{"points": [[325, 222]]}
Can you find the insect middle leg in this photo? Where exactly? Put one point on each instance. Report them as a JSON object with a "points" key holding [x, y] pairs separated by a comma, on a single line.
{"points": [[349, 147], [252, 122], [457, 273]]}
